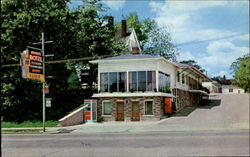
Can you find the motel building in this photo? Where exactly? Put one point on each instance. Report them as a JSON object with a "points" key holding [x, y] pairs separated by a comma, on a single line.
{"points": [[140, 87]]}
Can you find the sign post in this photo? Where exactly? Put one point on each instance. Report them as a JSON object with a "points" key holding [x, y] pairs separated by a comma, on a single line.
{"points": [[33, 67], [43, 82]]}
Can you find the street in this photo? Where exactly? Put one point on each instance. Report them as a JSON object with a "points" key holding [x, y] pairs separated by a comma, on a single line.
{"points": [[199, 143]]}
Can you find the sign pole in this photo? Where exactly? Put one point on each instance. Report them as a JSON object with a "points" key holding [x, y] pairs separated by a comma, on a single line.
{"points": [[43, 82]]}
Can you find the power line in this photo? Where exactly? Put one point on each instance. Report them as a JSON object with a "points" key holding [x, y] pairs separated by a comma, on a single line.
{"points": [[202, 41], [65, 60], [95, 57]]}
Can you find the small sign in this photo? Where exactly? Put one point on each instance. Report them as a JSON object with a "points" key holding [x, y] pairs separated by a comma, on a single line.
{"points": [[126, 101], [48, 102], [46, 89]]}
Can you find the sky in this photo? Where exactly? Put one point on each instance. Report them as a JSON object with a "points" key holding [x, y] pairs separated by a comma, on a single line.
{"points": [[213, 33]]}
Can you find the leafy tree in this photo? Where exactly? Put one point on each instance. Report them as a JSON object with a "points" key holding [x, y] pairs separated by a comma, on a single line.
{"points": [[193, 63], [75, 34], [153, 39], [241, 69]]}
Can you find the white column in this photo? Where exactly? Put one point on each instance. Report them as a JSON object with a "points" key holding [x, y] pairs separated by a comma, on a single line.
{"points": [[157, 79], [99, 81], [127, 81]]}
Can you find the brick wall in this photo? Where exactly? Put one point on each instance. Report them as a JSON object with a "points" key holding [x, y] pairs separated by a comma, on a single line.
{"points": [[74, 118], [186, 98], [157, 108]]}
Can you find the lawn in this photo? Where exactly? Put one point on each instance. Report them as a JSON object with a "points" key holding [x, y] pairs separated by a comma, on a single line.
{"points": [[27, 124], [22, 131]]}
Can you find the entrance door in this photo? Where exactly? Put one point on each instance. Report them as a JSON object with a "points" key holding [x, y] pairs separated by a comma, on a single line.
{"points": [[168, 106], [135, 116], [120, 111]]}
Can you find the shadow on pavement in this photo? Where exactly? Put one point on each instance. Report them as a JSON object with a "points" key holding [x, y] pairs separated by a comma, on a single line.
{"points": [[208, 104], [65, 130], [185, 111]]}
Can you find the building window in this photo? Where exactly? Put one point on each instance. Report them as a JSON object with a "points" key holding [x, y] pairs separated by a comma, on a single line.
{"points": [[113, 82], [178, 76], [230, 90], [106, 108], [150, 80], [164, 82], [142, 81], [104, 82], [148, 107], [122, 86], [183, 79]]}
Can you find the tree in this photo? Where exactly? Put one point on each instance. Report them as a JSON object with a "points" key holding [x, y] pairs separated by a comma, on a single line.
{"points": [[75, 34], [193, 63], [153, 39], [241, 70]]}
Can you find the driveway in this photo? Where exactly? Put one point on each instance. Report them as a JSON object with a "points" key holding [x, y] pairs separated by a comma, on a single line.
{"points": [[224, 112]]}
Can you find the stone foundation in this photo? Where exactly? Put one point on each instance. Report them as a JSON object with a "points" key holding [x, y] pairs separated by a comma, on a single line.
{"points": [[157, 108], [186, 98]]}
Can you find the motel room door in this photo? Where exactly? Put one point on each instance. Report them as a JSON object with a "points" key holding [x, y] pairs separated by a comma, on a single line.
{"points": [[120, 111], [135, 115]]}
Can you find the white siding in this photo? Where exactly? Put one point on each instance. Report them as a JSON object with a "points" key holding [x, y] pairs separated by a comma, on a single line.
{"points": [[235, 90], [146, 65], [132, 65]]}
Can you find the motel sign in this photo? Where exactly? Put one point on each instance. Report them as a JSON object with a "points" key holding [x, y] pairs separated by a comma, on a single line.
{"points": [[32, 64]]}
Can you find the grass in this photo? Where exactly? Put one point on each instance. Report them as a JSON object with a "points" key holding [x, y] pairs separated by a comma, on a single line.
{"points": [[22, 131], [27, 124]]}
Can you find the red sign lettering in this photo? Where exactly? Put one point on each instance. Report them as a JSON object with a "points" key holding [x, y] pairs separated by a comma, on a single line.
{"points": [[36, 58]]}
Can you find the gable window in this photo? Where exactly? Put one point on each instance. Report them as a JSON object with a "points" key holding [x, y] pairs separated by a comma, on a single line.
{"points": [[113, 82], [141, 81], [164, 82], [106, 108], [148, 107], [230, 90]]}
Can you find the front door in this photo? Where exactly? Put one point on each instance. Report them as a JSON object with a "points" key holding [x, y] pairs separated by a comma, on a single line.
{"points": [[135, 116], [168, 106], [120, 111]]}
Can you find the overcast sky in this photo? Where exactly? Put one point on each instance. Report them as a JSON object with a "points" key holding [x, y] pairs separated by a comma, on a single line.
{"points": [[213, 33]]}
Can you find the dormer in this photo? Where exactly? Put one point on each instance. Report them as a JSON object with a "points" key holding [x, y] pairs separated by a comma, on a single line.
{"points": [[130, 38]]}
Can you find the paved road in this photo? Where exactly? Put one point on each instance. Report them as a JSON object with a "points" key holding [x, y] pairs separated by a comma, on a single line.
{"points": [[208, 143]]}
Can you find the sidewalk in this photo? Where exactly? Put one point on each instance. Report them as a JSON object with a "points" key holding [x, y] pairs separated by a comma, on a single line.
{"points": [[134, 127], [141, 127]]}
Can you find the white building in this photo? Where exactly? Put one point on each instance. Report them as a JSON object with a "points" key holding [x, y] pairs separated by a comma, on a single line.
{"points": [[135, 87], [231, 89], [213, 87]]}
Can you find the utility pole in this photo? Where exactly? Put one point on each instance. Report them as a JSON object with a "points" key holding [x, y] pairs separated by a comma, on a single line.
{"points": [[43, 82]]}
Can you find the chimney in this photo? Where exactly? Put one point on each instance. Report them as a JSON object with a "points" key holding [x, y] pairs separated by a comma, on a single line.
{"points": [[124, 29], [135, 50], [110, 20]]}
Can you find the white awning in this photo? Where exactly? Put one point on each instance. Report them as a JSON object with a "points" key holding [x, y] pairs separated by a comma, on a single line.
{"points": [[135, 94]]}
